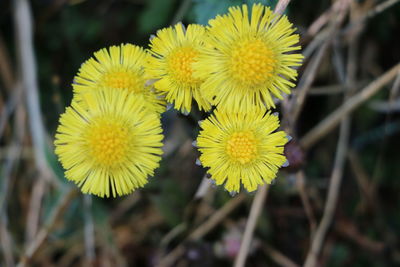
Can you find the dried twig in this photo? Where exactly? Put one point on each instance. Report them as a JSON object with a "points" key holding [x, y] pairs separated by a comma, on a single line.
{"points": [[6, 69], [305, 83], [32, 221], [182, 10], [12, 159], [300, 183], [89, 230], [27, 66], [278, 257], [333, 194], [375, 11], [33, 246], [332, 120], [281, 6], [251, 225], [203, 229]]}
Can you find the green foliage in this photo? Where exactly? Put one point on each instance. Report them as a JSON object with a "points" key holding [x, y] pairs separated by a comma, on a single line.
{"points": [[205, 10], [156, 15]]}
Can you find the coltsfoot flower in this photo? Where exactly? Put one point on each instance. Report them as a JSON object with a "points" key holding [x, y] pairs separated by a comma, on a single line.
{"points": [[242, 148], [248, 58], [120, 68], [110, 147], [174, 51]]}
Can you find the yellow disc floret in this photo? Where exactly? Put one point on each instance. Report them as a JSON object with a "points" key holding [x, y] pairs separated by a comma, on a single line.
{"points": [[180, 65], [252, 62], [124, 80], [108, 142], [242, 147]]}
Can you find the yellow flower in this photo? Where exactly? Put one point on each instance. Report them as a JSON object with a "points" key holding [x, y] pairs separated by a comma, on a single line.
{"points": [[112, 146], [249, 57], [121, 68], [174, 51], [241, 148]]}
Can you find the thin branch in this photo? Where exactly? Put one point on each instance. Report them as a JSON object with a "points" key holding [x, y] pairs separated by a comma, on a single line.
{"points": [[306, 81], [35, 203], [278, 257], [11, 161], [332, 120], [33, 246], [27, 67], [89, 230], [203, 229], [281, 6], [180, 13], [255, 211], [301, 187], [375, 11], [333, 195]]}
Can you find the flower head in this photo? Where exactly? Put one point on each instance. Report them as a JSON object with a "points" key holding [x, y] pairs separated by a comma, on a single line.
{"points": [[248, 59], [120, 68], [174, 51], [241, 148], [111, 146]]}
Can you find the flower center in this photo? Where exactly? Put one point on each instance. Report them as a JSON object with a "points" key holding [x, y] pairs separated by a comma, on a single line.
{"points": [[180, 65], [241, 147], [108, 142], [252, 62], [123, 80]]}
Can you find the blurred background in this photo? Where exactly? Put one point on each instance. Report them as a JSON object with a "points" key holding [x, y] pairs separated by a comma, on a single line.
{"points": [[337, 204]]}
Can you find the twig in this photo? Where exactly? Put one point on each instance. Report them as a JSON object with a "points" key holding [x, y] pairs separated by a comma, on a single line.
{"points": [[340, 158], [33, 246], [315, 27], [6, 68], [278, 257], [375, 11], [27, 66], [306, 81], [349, 230], [183, 8], [32, 221], [367, 191], [332, 120], [203, 229], [333, 194], [250, 226], [89, 230], [13, 153], [300, 183], [203, 188], [12, 102], [337, 17], [331, 89], [281, 6], [6, 242]]}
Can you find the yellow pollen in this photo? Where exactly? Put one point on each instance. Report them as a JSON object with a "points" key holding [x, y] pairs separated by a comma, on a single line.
{"points": [[252, 62], [180, 65], [108, 142], [241, 147], [123, 80]]}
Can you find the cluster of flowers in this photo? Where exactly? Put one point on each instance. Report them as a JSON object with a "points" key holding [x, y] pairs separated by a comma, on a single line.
{"points": [[110, 139]]}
